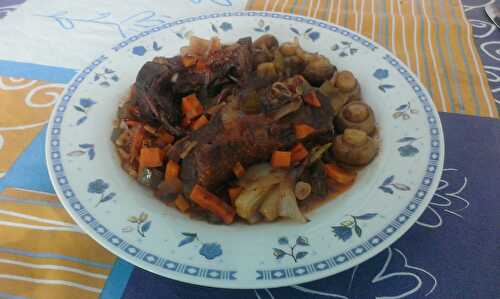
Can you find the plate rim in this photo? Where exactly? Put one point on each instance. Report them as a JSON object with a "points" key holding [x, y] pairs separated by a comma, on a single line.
{"points": [[228, 282]]}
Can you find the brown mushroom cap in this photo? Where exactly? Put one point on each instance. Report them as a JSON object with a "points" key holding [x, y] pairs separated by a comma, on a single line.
{"points": [[262, 55], [356, 115], [319, 70], [267, 41], [345, 81], [354, 148], [267, 71], [288, 48], [336, 98], [293, 65]]}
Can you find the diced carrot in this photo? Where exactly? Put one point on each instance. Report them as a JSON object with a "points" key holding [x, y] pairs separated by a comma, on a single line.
{"points": [[212, 203], [173, 169], [146, 142], [172, 184], [132, 123], [181, 203], [201, 66], [303, 130], [234, 192], [339, 175], [191, 107], [188, 60], [166, 137], [136, 143], [312, 99], [238, 170], [299, 152], [150, 157], [200, 122], [281, 159]]}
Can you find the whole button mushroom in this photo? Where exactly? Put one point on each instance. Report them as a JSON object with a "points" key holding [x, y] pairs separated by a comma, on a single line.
{"points": [[266, 41], [354, 147], [263, 48], [345, 81], [356, 115], [319, 70], [348, 85], [267, 71], [288, 48]]}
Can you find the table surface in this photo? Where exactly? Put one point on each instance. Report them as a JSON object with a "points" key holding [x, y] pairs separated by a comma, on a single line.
{"points": [[438, 258]]}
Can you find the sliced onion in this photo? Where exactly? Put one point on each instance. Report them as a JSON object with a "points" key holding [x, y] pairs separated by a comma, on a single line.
{"points": [[199, 46], [270, 207], [286, 109], [261, 175], [187, 148], [248, 202], [174, 77], [288, 204], [186, 51]]}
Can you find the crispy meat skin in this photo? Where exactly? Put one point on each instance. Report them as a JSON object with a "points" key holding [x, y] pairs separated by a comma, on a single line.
{"points": [[161, 84], [245, 138]]}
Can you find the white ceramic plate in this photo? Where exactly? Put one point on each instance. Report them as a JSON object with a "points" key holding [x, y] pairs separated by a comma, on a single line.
{"points": [[385, 201]]}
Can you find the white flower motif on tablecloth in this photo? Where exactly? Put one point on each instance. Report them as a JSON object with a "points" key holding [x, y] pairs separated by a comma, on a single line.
{"points": [[446, 201]]}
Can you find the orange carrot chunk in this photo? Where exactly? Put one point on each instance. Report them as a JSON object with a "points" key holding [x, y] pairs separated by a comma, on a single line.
{"points": [[312, 99], [166, 137], [191, 107], [238, 170], [303, 130], [234, 192], [134, 111], [150, 157], [132, 123], [281, 159], [173, 169], [136, 143], [188, 60], [200, 122], [339, 175], [181, 203], [299, 152], [212, 203]]}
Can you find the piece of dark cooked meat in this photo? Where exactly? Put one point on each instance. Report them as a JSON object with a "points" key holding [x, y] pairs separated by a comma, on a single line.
{"points": [[161, 83], [232, 136]]}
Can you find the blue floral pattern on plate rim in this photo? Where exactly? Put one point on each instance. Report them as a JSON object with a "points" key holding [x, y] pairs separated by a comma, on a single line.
{"points": [[367, 249]]}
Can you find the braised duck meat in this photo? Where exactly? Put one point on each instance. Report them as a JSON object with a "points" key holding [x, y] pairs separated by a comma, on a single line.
{"points": [[161, 83], [244, 130]]}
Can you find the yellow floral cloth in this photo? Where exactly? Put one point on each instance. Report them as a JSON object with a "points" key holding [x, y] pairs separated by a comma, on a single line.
{"points": [[42, 251]]}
